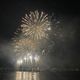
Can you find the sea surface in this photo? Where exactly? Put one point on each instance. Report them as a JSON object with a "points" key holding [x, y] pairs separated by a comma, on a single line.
{"points": [[44, 75]]}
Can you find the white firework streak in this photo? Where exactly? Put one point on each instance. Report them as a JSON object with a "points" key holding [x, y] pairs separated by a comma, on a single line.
{"points": [[35, 25]]}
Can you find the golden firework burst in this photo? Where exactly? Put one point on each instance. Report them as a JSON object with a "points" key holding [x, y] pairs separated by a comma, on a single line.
{"points": [[36, 25]]}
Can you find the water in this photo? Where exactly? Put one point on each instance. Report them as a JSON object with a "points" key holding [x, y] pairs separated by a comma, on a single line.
{"points": [[46, 75], [27, 75]]}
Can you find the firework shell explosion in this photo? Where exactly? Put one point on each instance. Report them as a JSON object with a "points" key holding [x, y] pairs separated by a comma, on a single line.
{"points": [[24, 45], [34, 31], [36, 25]]}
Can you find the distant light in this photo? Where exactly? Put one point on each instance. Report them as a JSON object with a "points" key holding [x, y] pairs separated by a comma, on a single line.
{"points": [[25, 58], [49, 28], [28, 54], [43, 52], [58, 22], [19, 62], [30, 57], [16, 46], [36, 58]]}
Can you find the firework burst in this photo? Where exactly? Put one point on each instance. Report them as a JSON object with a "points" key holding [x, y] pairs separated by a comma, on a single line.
{"points": [[36, 25], [33, 33], [24, 45]]}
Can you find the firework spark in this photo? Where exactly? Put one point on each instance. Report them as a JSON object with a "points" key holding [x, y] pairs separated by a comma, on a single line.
{"points": [[36, 25], [24, 45], [33, 33]]}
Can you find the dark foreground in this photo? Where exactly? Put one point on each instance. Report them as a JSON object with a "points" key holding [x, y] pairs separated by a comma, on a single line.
{"points": [[46, 75]]}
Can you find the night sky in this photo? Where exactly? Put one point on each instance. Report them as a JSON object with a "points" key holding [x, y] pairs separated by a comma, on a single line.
{"points": [[66, 49]]}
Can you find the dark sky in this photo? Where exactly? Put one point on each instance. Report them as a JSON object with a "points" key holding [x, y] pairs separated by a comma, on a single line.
{"points": [[12, 11]]}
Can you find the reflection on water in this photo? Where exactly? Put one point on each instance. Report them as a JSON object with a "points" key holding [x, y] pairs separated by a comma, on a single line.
{"points": [[43, 75], [21, 75]]}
